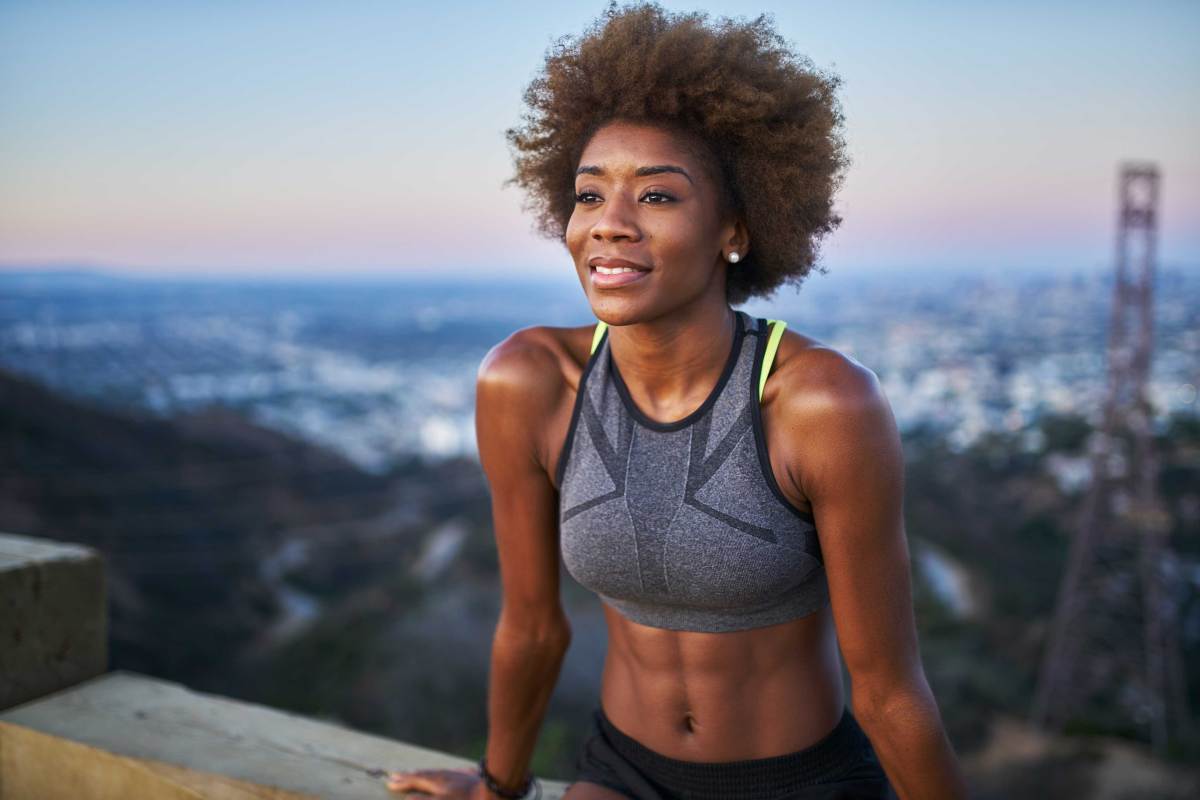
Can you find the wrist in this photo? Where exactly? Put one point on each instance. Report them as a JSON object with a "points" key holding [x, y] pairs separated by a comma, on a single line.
{"points": [[529, 788]]}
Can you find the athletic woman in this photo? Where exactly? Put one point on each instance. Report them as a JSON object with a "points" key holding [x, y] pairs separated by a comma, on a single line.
{"points": [[731, 489]]}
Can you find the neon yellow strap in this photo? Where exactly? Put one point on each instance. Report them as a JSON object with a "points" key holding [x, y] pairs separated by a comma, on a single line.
{"points": [[777, 326], [600, 326]]}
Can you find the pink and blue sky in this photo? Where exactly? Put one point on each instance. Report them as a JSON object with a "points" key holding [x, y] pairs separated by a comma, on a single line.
{"points": [[277, 138]]}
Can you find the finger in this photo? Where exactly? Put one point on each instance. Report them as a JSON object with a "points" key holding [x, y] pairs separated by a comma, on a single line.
{"points": [[408, 792], [396, 789], [414, 781]]}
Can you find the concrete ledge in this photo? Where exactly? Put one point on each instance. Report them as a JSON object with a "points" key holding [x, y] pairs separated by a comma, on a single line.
{"points": [[35, 764], [53, 617], [187, 742]]}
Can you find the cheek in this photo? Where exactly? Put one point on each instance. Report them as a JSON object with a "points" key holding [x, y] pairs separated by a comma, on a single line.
{"points": [[685, 241], [575, 234]]}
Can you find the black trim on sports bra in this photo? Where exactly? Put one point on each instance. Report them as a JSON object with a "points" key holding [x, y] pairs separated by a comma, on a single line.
{"points": [[561, 467], [730, 363], [760, 440]]}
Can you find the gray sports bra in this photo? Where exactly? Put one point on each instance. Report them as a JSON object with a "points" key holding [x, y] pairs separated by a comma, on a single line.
{"points": [[681, 525]]}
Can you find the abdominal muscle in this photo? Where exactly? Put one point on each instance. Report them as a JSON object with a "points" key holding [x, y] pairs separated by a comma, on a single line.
{"points": [[723, 696]]}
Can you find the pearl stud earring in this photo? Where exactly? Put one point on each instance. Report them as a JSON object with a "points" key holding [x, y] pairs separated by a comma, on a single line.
{"points": [[734, 257]]}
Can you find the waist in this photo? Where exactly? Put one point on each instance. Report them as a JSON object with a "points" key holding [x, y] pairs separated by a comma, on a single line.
{"points": [[843, 747]]}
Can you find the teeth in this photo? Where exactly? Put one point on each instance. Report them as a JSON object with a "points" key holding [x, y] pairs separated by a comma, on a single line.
{"points": [[614, 270]]}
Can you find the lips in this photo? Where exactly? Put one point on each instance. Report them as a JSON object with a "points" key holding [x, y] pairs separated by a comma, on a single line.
{"points": [[615, 263], [613, 272]]}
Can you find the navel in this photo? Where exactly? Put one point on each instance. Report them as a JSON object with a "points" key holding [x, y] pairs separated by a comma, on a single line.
{"points": [[689, 722]]}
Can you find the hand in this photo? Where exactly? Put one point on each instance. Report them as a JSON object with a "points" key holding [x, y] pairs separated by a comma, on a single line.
{"points": [[453, 784]]}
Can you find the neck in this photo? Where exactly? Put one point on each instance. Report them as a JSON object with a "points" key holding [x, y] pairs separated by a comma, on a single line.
{"points": [[671, 364]]}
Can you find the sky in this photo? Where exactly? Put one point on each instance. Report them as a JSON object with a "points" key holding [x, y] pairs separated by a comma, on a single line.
{"points": [[367, 138]]}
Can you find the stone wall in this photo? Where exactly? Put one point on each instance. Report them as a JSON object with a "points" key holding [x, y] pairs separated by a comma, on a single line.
{"points": [[53, 617]]}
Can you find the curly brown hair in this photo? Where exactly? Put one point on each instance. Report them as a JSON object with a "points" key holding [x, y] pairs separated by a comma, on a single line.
{"points": [[768, 122]]}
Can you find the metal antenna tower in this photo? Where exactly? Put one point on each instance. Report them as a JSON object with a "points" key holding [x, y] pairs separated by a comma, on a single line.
{"points": [[1113, 650]]}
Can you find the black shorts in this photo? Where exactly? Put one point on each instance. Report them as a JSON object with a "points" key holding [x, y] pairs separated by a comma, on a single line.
{"points": [[841, 766]]}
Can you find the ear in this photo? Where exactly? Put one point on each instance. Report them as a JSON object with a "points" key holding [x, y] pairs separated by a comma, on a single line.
{"points": [[735, 237]]}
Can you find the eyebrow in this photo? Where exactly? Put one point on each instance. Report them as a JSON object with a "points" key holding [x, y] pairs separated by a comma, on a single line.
{"points": [[657, 169]]}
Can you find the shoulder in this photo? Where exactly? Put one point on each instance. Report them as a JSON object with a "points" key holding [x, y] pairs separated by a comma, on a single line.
{"points": [[524, 385], [811, 377], [535, 362], [829, 410]]}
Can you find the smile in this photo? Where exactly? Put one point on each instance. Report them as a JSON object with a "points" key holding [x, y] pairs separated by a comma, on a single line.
{"points": [[613, 277]]}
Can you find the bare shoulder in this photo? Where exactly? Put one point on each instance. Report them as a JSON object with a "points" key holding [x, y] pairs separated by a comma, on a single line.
{"points": [[824, 407], [810, 377], [525, 381], [534, 361]]}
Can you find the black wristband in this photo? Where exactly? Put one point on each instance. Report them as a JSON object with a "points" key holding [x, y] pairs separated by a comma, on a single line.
{"points": [[494, 786]]}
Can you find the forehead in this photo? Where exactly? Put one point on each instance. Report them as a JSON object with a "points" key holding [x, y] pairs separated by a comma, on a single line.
{"points": [[626, 145]]}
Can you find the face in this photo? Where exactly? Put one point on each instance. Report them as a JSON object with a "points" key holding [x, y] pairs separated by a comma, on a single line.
{"points": [[644, 200]]}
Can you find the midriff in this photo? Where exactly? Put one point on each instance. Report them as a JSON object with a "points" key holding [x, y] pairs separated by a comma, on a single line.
{"points": [[728, 696]]}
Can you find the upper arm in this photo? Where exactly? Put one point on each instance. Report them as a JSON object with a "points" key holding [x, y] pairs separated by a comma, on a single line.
{"points": [[518, 386], [852, 472]]}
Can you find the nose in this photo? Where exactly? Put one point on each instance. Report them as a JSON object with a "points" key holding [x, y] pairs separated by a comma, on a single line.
{"points": [[617, 219]]}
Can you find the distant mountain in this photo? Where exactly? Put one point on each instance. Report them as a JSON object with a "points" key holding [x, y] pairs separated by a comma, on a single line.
{"points": [[61, 277]]}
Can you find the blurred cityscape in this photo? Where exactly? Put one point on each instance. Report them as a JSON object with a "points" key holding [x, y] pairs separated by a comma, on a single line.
{"points": [[380, 371], [283, 478]]}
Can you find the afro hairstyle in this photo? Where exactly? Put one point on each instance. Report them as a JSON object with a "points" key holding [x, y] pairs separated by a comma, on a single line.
{"points": [[769, 121]]}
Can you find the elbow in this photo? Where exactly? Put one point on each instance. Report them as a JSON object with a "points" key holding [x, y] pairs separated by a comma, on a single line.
{"points": [[550, 634], [899, 703], [867, 710]]}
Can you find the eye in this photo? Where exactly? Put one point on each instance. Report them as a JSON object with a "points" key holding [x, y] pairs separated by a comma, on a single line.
{"points": [[583, 197]]}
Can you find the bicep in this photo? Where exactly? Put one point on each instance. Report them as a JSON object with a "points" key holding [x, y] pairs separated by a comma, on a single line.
{"points": [[514, 391], [854, 477]]}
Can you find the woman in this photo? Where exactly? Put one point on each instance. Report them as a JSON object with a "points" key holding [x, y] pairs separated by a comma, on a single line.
{"points": [[731, 490]]}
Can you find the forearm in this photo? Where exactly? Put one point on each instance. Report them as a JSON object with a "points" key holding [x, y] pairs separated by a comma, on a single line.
{"points": [[906, 731], [524, 671]]}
